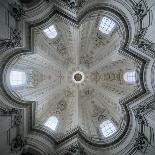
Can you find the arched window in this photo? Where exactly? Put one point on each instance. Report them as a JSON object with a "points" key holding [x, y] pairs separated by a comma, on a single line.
{"points": [[107, 25], [130, 76], [52, 122], [50, 32], [17, 78], [107, 128]]}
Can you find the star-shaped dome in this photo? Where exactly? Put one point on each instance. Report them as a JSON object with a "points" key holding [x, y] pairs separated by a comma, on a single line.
{"points": [[78, 76]]}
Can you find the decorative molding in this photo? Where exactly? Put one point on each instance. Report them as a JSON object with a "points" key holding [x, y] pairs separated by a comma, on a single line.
{"points": [[76, 149], [75, 4], [16, 11], [16, 117], [141, 109], [139, 114], [72, 3], [17, 144], [141, 43], [140, 10], [14, 41], [141, 143], [61, 106]]}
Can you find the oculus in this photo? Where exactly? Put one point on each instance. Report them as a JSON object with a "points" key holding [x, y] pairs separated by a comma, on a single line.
{"points": [[78, 77]]}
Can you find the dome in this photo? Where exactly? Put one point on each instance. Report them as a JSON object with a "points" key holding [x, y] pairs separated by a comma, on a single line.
{"points": [[77, 76]]}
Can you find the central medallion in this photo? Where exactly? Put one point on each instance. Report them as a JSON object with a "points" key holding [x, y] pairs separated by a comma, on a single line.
{"points": [[78, 77]]}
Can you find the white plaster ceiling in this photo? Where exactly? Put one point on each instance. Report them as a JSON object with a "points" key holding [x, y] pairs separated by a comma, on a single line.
{"points": [[85, 104]]}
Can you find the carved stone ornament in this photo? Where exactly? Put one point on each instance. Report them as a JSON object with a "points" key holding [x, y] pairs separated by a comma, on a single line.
{"points": [[14, 41], [16, 11], [144, 44], [74, 4], [16, 117], [17, 144], [141, 143], [140, 10], [11, 111], [141, 42], [34, 78], [86, 59], [76, 150], [141, 34], [139, 114], [61, 106], [99, 113]]}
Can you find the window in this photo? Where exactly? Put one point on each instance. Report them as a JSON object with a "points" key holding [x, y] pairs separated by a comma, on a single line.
{"points": [[17, 78], [52, 122], [107, 128], [106, 25], [50, 32], [130, 76]]}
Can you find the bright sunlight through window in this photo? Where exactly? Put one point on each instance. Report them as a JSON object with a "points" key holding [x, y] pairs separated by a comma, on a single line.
{"points": [[52, 122], [107, 128], [50, 32], [107, 25], [130, 76], [17, 78]]}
